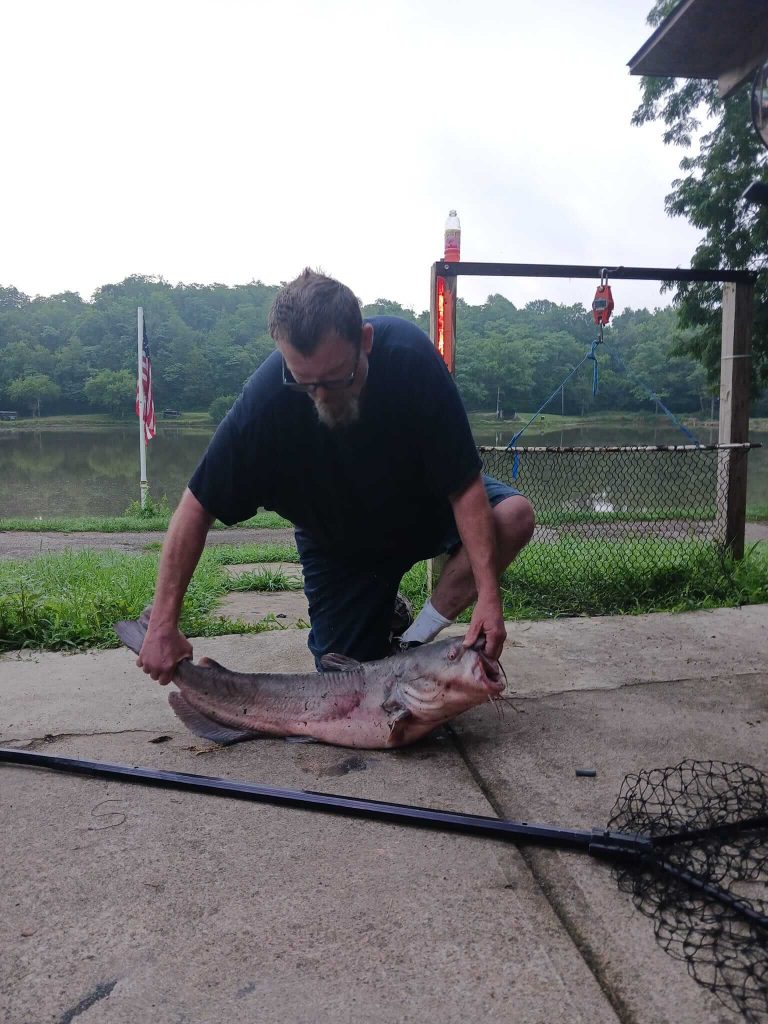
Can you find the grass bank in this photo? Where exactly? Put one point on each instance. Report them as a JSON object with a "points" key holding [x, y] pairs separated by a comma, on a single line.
{"points": [[272, 521], [99, 421], [70, 601], [128, 523]]}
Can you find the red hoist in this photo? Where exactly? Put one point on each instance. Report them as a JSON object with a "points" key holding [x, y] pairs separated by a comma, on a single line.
{"points": [[602, 304]]}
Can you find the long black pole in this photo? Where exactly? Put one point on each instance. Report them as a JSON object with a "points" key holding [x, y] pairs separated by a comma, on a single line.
{"points": [[403, 814], [598, 842]]}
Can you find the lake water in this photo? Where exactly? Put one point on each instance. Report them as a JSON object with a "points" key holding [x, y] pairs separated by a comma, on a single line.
{"points": [[64, 473]]}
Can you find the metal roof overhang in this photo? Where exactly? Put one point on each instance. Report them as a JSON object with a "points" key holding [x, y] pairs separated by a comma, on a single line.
{"points": [[722, 39]]}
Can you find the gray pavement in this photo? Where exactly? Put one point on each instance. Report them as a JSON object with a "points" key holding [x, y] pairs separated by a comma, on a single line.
{"points": [[122, 903]]}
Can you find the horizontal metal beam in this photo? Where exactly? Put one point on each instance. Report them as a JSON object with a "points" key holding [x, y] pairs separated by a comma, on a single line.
{"points": [[463, 269], [611, 449]]}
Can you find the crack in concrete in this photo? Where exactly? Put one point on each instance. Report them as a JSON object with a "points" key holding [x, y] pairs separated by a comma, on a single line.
{"points": [[34, 742], [590, 956], [544, 694]]}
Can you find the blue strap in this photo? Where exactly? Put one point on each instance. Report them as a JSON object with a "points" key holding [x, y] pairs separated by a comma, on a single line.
{"points": [[654, 397], [543, 406], [591, 355]]}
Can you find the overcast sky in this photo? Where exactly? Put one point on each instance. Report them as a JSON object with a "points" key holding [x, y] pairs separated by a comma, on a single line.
{"points": [[243, 139]]}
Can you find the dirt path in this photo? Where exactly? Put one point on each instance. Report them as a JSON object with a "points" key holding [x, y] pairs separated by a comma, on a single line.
{"points": [[27, 545]]}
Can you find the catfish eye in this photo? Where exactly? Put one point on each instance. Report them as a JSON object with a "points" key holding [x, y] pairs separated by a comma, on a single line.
{"points": [[453, 654]]}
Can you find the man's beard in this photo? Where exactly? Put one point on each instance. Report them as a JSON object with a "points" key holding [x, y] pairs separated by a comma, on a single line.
{"points": [[342, 413]]}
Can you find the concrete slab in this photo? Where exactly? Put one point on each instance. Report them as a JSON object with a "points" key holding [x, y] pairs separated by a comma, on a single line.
{"points": [[527, 761], [122, 903], [611, 651], [44, 693], [154, 905], [286, 607]]}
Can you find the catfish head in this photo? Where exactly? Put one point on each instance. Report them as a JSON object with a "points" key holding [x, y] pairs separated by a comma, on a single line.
{"points": [[437, 681]]}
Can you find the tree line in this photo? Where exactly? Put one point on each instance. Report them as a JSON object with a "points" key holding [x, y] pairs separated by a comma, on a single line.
{"points": [[63, 354]]}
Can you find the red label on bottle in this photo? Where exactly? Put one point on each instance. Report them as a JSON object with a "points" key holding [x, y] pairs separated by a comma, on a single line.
{"points": [[452, 246]]}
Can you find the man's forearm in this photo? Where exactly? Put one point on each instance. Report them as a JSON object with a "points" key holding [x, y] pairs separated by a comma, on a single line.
{"points": [[183, 546]]}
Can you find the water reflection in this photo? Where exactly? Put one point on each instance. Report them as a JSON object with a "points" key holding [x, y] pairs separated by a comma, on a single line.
{"points": [[56, 473], [68, 473]]}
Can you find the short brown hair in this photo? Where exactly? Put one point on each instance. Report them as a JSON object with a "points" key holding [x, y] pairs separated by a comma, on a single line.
{"points": [[306, 309]]}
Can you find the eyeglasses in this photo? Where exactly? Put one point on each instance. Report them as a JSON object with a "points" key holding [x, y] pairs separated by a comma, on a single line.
{"points": [[340, 384]]}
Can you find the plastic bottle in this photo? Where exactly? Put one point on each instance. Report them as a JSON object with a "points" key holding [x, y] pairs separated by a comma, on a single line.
{"points": [[452, 238]]}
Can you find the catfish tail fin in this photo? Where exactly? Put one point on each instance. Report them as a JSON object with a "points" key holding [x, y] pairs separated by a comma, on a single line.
{"points": [[133, 631]]}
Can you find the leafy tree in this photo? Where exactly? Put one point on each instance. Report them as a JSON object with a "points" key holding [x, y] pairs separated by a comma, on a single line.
{"points": [[725, 159], [112, 390], [206, 340], [219, 407], [33, 390]]}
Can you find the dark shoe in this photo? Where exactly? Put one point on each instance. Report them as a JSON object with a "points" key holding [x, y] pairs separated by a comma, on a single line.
{"points": [[402, 616], [399, 646]]}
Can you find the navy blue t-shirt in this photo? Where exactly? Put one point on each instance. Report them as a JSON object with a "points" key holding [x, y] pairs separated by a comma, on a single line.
{"points": [[374, 490]]}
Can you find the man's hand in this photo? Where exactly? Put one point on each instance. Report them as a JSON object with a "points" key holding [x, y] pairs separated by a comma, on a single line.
{"points": [[488, 621], [161, 652], [164, 646]]}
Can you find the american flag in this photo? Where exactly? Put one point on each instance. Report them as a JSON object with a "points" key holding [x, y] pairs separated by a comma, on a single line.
{"points": [[146, 379]]}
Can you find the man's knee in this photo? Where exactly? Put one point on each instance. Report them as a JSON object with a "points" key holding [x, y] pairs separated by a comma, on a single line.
{"points": [[515, 522]]}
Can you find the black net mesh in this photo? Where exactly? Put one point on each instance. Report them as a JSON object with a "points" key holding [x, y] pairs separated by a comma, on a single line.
{"points": [[710, 821], [638, 511]]}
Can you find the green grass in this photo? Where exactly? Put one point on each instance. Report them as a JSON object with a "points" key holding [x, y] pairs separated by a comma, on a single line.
{"points": [[70, 601], [575, 577], [98, 421], [128, 524]]}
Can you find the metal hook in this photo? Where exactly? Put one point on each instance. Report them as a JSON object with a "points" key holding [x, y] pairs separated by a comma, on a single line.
{"points": [[604, 276]]}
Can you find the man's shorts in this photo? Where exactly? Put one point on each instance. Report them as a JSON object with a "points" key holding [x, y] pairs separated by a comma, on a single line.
{"points": [[350, 608]]}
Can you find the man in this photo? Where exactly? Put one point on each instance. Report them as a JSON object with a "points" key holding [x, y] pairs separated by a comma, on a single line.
{"points": [[355, 433]]}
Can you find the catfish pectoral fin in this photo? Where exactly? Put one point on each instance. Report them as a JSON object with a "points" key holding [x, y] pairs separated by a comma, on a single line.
{"points": [[203, 726], [397, 727]]}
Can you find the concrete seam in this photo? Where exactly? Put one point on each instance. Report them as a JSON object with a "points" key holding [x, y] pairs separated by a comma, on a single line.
{"points": [[34, 742], [758, 673], [585, 951]]}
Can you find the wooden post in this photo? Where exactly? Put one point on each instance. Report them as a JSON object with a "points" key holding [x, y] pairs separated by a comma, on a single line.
{"points": [[735, 376], [442, 331]]}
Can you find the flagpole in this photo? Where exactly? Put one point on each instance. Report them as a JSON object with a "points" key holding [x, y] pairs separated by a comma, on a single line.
{"points": [[143, 486]]}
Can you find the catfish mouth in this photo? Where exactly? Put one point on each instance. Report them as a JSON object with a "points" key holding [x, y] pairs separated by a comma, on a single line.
{"points": [[490, 674]]}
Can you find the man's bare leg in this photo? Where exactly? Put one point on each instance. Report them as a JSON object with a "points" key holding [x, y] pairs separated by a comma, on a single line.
{"points": [[455, 590]]}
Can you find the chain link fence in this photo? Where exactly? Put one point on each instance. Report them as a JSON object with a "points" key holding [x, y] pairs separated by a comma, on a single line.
{"points": [[648, 515]]}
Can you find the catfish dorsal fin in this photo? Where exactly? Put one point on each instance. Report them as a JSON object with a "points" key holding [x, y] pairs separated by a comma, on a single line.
{"points": [[340, 663]]}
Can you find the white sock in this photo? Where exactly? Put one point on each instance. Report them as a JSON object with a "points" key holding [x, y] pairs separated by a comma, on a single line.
{"points": [[426, 625]]}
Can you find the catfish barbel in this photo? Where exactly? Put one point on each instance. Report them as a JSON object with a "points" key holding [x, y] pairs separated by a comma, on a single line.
{"points": [[375, 705]]}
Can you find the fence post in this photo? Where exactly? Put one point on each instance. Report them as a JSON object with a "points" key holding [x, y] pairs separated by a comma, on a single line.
{"points": [[735, 377]]}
